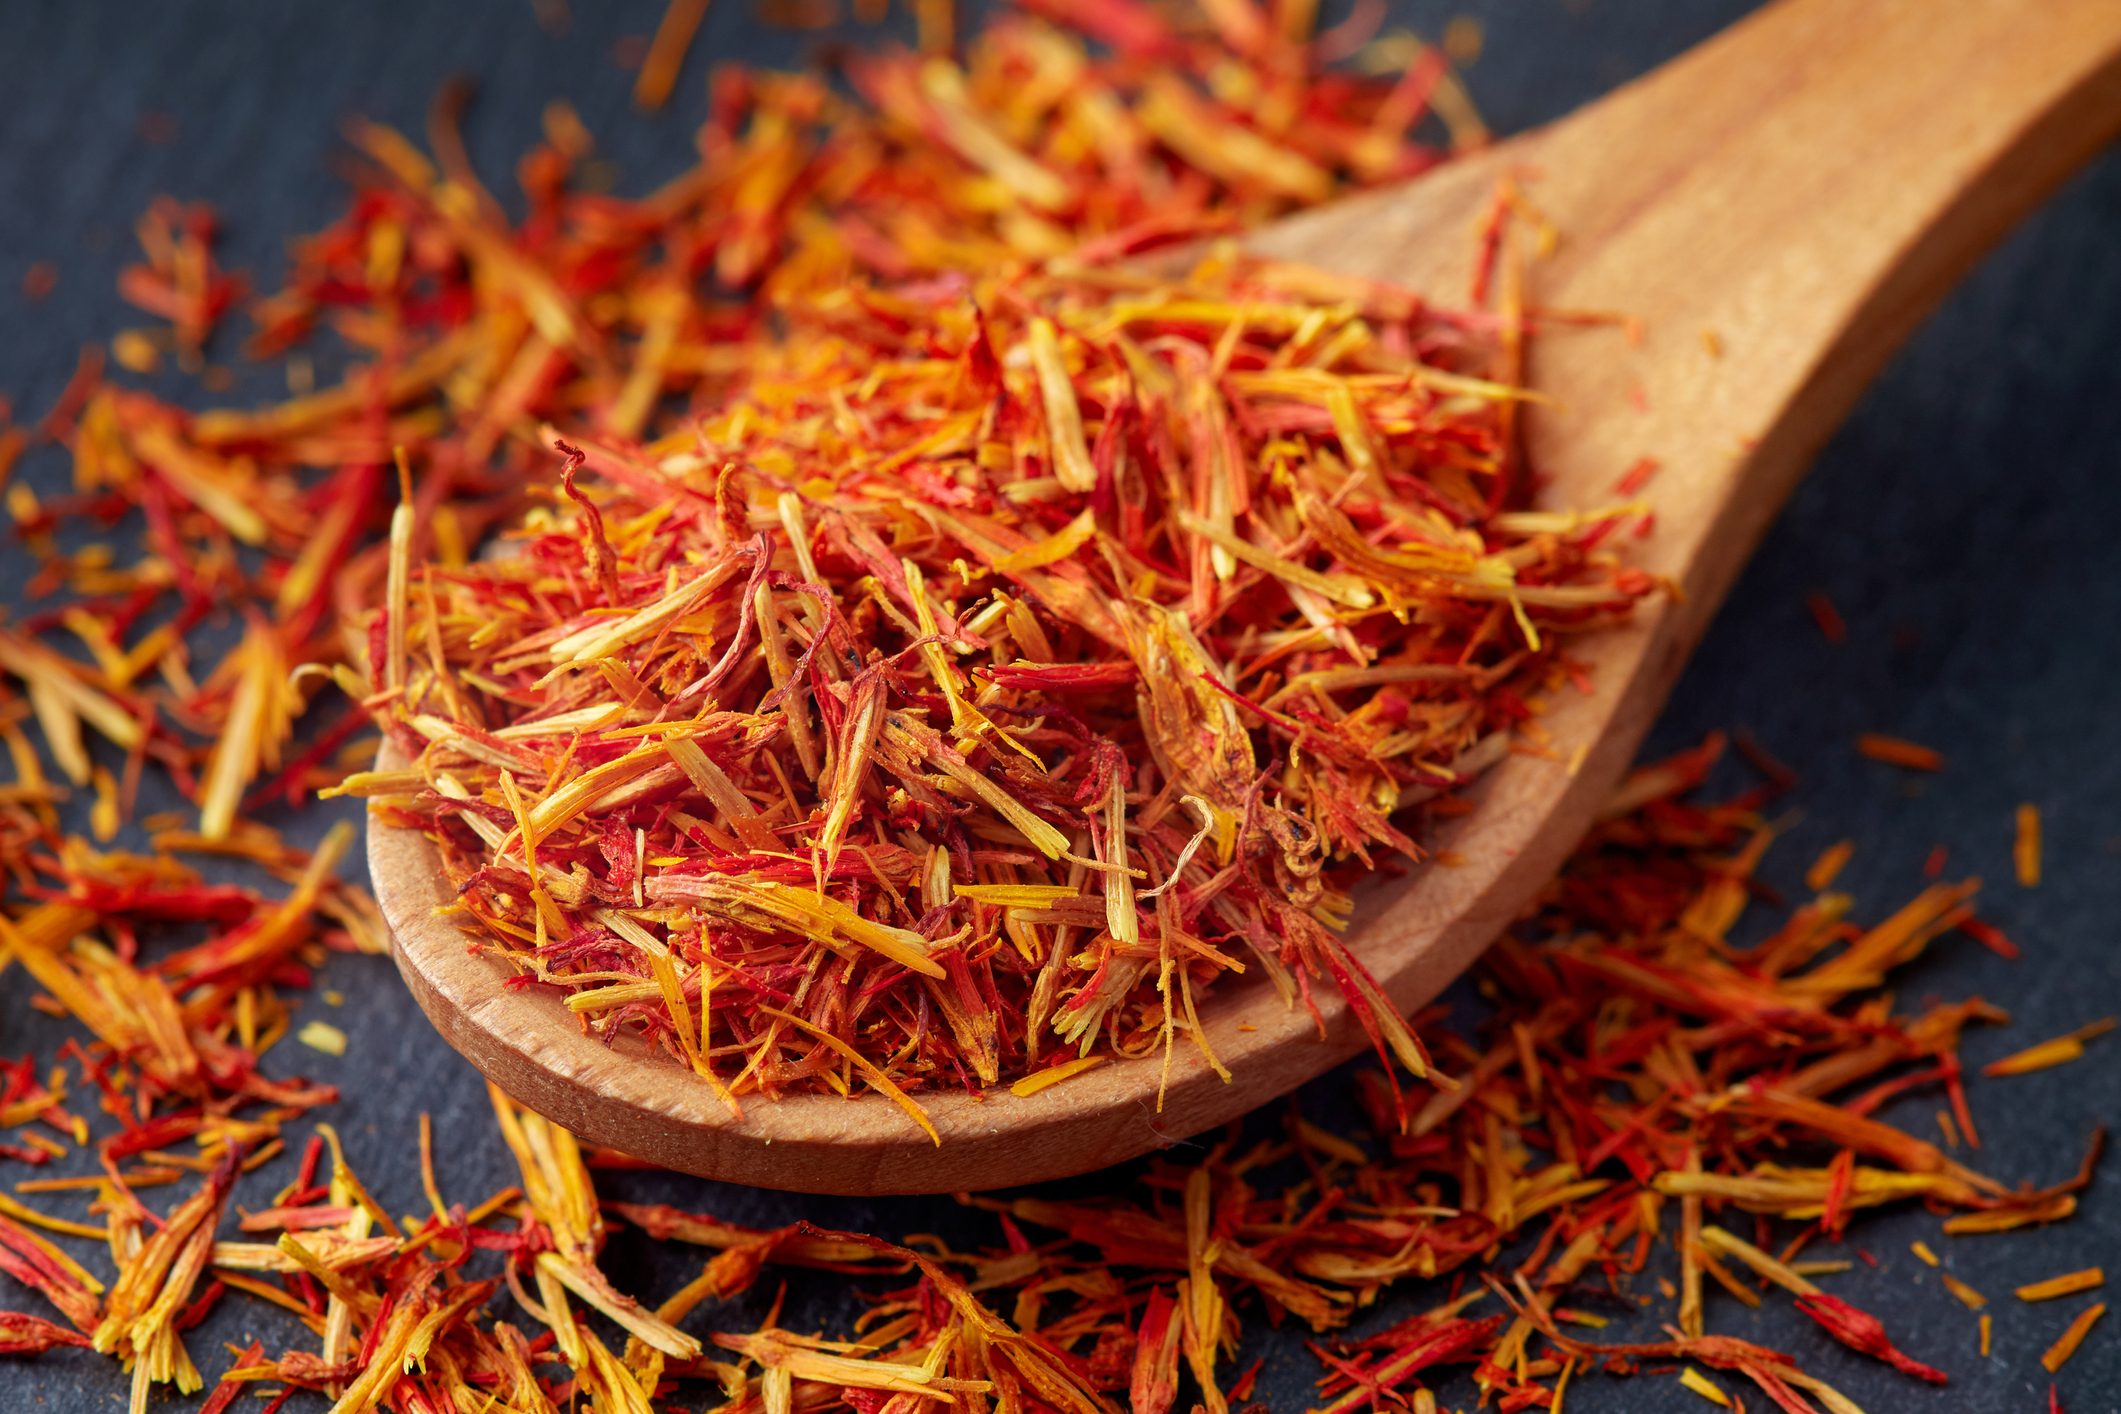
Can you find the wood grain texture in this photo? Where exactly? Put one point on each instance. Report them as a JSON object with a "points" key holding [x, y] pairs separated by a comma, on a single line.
{"points": [[1804, 186]]}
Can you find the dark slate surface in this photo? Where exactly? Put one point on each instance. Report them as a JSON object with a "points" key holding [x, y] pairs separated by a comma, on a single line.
{"points": [[1965, 522]]}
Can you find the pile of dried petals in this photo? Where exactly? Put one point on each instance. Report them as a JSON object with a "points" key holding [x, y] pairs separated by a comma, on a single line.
{"points": [[1000, 668], [983, 666]]}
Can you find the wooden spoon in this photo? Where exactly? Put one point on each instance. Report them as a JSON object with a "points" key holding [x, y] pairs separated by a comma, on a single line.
{"points": [[1797, 192]]}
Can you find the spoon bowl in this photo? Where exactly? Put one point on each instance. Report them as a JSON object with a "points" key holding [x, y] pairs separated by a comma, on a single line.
{"points": [[1776, 209]]}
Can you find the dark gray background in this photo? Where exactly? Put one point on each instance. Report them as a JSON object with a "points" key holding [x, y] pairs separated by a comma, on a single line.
{"points": [[1965, 522]]}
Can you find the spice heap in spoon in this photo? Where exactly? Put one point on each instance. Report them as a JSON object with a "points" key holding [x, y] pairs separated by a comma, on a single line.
{"points": [[1005, 664], [1003, 657]]}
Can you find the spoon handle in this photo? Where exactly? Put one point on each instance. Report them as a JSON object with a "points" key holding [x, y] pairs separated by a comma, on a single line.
{"points": [[1778, 208]]}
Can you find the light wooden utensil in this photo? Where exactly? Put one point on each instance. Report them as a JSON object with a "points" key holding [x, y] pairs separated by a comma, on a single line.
{"points": [[1797, 192]]}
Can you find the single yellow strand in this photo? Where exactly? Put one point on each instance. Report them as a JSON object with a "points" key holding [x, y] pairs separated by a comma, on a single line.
{"points": [[2068, 1284], [2066, 1344], [869, 1072], [1053, 1075]]}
